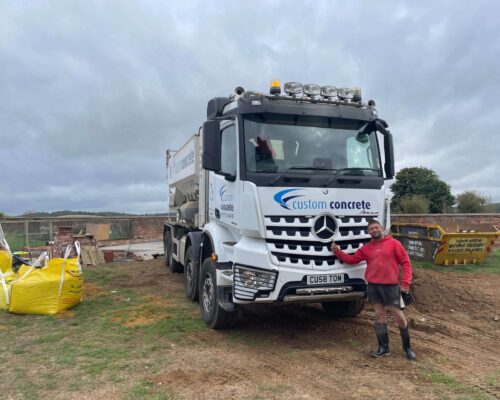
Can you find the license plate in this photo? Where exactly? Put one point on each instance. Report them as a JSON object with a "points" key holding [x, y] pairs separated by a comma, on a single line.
{"points": [[325, 279]]}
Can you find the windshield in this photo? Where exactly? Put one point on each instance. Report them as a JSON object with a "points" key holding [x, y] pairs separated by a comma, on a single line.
{"points": [[276, 143]]}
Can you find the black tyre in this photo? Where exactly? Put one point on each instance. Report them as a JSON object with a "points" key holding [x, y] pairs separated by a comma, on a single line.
{"points": [[191, 274], [213, 314], [343, 309], [172, 265]]}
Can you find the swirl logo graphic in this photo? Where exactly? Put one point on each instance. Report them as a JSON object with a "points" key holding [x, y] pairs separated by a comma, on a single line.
{"points": [[282, 200], [224, 197]]}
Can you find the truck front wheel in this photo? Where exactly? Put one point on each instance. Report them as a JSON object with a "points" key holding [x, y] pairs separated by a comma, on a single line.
{"points": [[213, 314], [343, 309], [190, 276], [173, 266]]}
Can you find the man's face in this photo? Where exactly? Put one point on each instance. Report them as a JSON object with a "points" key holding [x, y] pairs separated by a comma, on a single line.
{"points": [[375, 231]]}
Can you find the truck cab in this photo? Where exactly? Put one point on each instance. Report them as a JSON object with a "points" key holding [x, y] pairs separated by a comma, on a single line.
{"points": [[280, 178]]}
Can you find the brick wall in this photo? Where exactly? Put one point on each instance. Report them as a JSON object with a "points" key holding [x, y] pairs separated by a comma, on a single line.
{"points": [[449, 219]]}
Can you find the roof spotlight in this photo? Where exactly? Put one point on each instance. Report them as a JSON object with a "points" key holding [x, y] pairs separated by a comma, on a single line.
{"points": [[328, 91], [292, 88], [311, 89], [345, 93]]}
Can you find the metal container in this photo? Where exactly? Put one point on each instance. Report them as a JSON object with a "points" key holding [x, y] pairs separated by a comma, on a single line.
{"points": [[446, 245]]}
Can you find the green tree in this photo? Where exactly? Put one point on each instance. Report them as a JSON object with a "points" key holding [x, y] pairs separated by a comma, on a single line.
{"points": [[417, 204], [421, 181], [471, 202]]}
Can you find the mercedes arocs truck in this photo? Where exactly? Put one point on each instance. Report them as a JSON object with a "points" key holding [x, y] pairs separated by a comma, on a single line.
{"points": [[265, 186]]}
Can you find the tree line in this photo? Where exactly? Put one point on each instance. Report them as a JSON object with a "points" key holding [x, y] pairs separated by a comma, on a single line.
{"points": [[419, 190]]}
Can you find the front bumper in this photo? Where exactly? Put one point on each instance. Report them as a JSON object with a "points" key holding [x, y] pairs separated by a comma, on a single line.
{"points": [[281, 283]]}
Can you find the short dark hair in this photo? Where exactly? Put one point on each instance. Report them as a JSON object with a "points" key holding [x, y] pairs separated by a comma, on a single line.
{"points": [[373, 222]]}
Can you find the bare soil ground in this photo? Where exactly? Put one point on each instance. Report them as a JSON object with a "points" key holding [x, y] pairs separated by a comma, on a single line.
{"points": [[297, 352], [282, 352]]}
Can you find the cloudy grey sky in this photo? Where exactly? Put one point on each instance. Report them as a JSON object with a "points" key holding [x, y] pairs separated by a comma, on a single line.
{"points": [[92, 93]]}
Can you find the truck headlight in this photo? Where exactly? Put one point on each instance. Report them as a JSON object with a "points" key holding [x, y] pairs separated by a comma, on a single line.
{"points": [[254, 279]]}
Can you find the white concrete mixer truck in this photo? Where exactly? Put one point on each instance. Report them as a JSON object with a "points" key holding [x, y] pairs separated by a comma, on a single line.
{"points": [[262, 189]]}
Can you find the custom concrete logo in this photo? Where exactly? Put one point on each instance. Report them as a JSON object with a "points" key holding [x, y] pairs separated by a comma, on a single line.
{"points": [[288, 200]]}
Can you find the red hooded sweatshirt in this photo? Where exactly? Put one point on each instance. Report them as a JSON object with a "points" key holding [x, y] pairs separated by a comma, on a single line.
{"points": [[383, 259]]}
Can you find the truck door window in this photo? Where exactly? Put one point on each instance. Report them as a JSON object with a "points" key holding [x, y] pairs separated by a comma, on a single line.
{"points": [[228, 150]]}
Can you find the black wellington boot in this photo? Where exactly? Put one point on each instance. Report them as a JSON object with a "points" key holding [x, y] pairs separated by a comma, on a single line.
{"points": [[405, 337], [383, 341]]}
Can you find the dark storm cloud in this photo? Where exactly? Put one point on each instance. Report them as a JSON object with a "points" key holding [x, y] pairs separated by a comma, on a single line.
{"points": [[92, 93]]}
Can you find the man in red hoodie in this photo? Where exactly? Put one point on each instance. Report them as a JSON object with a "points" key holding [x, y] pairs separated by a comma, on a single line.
{"points": [[384, 256]]}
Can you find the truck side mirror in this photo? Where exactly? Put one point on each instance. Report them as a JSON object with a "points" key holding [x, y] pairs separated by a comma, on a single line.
{"points": [[211, 146], [389, 156], [381, 126]]}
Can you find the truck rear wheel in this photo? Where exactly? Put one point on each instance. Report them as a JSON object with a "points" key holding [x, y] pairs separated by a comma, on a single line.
{"points": [[173, 266], [190, 276], [213, 314], [343, 309]]}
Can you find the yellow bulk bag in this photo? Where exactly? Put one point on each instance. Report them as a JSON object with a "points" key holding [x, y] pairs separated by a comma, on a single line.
{"points": [[6, 274], [5, 261], [5, 287], [53, 288]]}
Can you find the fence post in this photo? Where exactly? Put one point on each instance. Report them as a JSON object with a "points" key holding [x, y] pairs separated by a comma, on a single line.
{"points": [[26, 233]]}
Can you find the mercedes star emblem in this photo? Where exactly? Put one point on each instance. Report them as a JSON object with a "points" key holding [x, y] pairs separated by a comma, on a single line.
{"points": [[324, 227]]}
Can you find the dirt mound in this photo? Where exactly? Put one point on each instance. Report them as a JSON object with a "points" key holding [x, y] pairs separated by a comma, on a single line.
{"points": [[437, 291]]}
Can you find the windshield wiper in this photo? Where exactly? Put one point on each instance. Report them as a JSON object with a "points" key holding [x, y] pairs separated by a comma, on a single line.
{"points": [[289, 178], [298, 178], [352, 169], [310, 167]]}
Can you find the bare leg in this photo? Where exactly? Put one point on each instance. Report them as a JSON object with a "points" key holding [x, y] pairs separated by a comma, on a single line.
{"points": [[379, 313], [400, 318]]}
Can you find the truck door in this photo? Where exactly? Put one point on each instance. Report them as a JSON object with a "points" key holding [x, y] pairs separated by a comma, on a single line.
{"points": [[224, 187]]}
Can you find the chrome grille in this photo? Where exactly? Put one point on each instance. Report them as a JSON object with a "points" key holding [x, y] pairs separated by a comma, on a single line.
{"points": [[292, 243]]}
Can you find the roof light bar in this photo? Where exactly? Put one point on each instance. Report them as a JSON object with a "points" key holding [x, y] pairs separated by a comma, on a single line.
{"points": [[345, 93], [293, 88], [328, 91], [311, 89]]}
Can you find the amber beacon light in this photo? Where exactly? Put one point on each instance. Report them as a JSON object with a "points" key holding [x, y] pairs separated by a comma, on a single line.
{"points": [[275, 87]]}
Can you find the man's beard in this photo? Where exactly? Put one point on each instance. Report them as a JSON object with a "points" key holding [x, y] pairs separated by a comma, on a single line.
{"points": [[376, 235]]}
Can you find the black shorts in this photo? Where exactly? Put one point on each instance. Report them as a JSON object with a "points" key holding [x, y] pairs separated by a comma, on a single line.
{"points": [[388, 295]]}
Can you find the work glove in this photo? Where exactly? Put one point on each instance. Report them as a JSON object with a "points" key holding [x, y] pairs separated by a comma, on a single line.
{"points": [[407, 298]]}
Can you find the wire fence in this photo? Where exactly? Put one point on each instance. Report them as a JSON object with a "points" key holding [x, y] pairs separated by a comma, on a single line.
{"points": [[32, 232]]}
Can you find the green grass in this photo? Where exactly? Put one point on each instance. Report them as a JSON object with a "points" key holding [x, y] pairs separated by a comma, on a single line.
{"points": [[272, 390], [491, 265], [146, 390], [451, 384], [493, 379], [115, 335], [18, 242]]}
